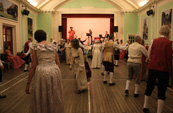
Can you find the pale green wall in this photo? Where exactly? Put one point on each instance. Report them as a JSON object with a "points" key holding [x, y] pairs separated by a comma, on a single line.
{"points": [[24, 28], [44, 22], [87, 3], [163, 8], [130, 24]]}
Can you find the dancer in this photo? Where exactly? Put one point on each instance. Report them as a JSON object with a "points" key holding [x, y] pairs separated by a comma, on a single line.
{"points": [[90, 39], [46, 95], [160, 61], [71, 33], [96, 61], [117, 54], [108, 59], [68, 51], [134, 64], [27, 51], [78, 65]]}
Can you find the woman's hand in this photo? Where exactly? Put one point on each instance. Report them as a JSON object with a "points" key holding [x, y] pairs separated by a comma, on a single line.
{"points": [[27, 89]]}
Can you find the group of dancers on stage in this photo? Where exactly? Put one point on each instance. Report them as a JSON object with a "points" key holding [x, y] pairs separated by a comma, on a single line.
{"points": [[47, 94]]}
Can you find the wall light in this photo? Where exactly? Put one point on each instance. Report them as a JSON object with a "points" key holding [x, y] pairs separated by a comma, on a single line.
{"points": [[143, 3], [32, 2]]}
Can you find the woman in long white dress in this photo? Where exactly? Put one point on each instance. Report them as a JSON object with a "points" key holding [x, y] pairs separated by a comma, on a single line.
{"points": [[78, 65], [68, 51], [96, 61], [47, 96]]}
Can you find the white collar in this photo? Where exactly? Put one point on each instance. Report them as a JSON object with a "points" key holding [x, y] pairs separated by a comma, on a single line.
{"points": [[162, 36]]}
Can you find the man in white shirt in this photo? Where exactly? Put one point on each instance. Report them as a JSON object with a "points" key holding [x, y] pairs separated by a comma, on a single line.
{"points": [[134, 64], [27, 51]]}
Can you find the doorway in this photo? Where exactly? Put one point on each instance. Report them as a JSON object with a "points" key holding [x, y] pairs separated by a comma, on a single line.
{"points": [[8, 37]]}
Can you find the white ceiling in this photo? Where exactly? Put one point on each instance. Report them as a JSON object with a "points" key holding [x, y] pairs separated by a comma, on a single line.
{"points": [[51, 4]]}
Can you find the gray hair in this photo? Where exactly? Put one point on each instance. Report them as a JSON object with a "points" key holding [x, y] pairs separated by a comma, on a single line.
{"points": [[137, 38], [165, 30]]}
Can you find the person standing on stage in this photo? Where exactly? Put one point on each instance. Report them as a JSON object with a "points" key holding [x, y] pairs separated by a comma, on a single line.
{"points": [[108, 58], [136, 50], [159, 65], [71, 33], [27, 51], [90, 39], [106, 35]]}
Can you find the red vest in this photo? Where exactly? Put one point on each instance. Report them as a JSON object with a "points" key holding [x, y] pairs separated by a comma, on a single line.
{"points": [[161, 55], [26, 47]]}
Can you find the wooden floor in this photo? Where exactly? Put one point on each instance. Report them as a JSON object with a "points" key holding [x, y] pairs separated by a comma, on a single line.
{"points": [[100, 98]]}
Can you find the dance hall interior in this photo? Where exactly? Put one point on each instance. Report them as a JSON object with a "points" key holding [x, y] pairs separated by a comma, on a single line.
{"points": [[86, 56]]}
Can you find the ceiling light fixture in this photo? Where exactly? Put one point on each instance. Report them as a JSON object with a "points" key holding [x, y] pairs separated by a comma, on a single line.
{"points": [[34, 3], [143, 3]]}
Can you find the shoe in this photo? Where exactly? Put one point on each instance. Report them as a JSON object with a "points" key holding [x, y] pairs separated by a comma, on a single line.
{"points": [[104, 82], [2, 96], [102, 73], [126, 92], [116, 65], [80, 91], [111, 84], [136, 95], [25, 70], [145, 110]]}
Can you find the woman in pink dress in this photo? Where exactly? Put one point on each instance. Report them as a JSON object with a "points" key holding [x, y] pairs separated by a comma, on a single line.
{"points": [[16, 61]]}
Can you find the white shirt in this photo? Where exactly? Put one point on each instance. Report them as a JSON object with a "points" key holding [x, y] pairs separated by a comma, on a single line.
{"points": [[115, 45], [30, 48], [135, 52]]}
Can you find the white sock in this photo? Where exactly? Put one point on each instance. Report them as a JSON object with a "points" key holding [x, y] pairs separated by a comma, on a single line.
{"points": [[103, 68], [146, 100], [160, 104], [29, 64], [116, 62], [111, 76], [105, 74], [127, 84], [136, 88], [26, 67]]}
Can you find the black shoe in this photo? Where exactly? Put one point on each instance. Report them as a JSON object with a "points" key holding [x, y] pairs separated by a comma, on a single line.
{"points": [[2, 96], [136, 95], [80, 91], [25, 70], [145, 110], [127, 92], [102, 73], [111, 84], [116, 65], [104, 82]]}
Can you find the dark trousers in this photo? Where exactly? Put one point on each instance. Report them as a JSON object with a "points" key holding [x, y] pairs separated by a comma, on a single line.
{"points": [[163, 79], [28, 59], [0, 75]]}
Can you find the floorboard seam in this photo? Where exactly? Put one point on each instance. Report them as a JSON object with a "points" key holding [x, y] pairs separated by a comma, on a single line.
{"points": [[13, 85], [11, 80]]}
